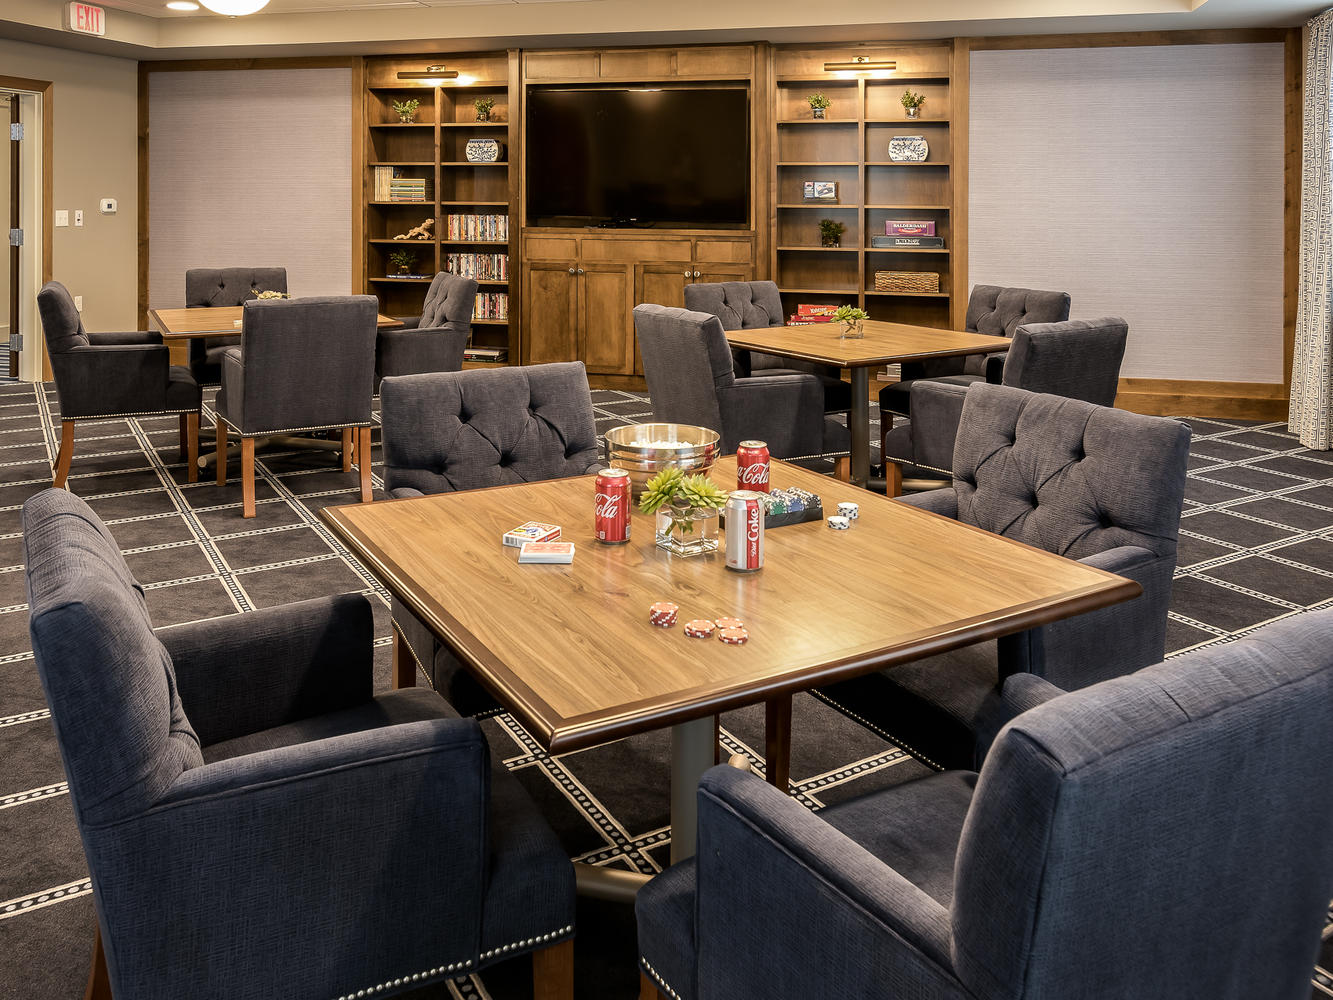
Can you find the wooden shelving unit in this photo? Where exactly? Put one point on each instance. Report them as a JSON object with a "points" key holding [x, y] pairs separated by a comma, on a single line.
{"points": [[850, 149], [433, 148]]}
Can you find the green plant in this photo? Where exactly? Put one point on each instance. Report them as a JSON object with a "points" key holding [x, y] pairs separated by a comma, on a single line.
{"points": [[402, 260], [818, 100], [678, 496], [269, 294], [830, 232], [911, 100], [848, 314], [483, 106], [406, 109]]}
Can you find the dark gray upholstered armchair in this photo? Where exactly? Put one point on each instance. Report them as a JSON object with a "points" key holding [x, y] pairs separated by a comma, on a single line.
{"points": [[467, 430], [224, 286], [1087, 482], [1077, 358], [433, 341], [691, 380], [256, 822], [993, 311], [101, 375], [1167, 834], [746, 305], [303, 365]]}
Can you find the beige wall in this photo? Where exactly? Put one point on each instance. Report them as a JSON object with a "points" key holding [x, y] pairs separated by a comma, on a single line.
{"points": [[96, 156]]}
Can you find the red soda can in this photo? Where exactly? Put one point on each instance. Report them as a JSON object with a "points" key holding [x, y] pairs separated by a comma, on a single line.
{"points": [[611, 507], [752, 466], [745, 531]]}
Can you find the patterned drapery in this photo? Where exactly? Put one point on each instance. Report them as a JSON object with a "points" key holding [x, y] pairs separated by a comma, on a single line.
{"points": [[1311, 415]]}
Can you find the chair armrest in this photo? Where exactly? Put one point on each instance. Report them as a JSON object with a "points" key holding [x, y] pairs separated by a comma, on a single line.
{"points": [[114, 378], [771, 871], [787, 411], [415, 350], [937, 408], [409, 323], [405, 492], [352, 832], [148, 337], [995, 367], [245, 673], [1020, 692], [942, 501]]}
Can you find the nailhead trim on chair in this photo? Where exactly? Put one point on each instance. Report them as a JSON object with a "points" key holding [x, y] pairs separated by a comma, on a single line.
{"points": [[142, 413], [876, 729], [658, 979], [454, 968], [290, 430], [947, 473]]}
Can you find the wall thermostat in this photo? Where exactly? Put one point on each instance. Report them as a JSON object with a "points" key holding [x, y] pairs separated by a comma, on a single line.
{"points": [[107, 206]]}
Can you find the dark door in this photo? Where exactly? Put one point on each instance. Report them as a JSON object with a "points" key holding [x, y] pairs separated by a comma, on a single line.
{"points": [[13, 304]]}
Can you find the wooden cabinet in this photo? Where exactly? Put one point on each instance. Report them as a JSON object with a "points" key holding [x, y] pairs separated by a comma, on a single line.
{"points": [[606, 301], [551, 312]]}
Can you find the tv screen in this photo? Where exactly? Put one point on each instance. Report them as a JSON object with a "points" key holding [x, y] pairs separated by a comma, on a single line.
{"points": [[639, 157]]}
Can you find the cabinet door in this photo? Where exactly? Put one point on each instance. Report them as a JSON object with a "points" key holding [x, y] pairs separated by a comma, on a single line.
{"points": [[606, 323], [662, 284], [722, 272], [550, 312]]}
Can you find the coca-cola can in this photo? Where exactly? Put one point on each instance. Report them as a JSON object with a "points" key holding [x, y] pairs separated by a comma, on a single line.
{"points": [[752, 466], [611, 507], [745, 531]]}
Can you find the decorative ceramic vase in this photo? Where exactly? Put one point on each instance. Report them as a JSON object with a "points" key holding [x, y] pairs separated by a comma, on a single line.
{"points": [[913, 112], [687, 531], [853, 329], [482, 150], [908, 149], [817, 112]]}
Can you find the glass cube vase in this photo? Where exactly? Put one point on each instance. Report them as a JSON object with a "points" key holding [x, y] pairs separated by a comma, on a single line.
{"points": [[691, 534]]}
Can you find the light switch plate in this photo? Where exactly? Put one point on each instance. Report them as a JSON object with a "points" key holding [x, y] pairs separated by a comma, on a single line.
{"points": [[78, 303], [78, 217], [62, 217]]}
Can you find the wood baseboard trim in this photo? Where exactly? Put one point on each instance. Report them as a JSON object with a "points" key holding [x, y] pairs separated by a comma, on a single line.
{"points": [[1191, 398], [630, 383]]}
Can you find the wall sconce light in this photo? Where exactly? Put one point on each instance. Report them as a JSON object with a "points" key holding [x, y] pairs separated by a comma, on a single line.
{"points": [[861, 64], [429, 73]]}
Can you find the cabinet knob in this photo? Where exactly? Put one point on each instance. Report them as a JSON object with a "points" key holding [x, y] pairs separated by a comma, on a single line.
{"points": [[687, 274], [572, 271], [580, 270], [696, 274]]}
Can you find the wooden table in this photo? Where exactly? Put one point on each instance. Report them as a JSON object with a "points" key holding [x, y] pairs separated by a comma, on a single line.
{"points": [[199, 322], [570, 650], [883, 344]]}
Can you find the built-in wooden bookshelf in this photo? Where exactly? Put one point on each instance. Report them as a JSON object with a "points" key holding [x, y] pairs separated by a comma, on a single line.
{"points": [[849, 147], [434, 148]]}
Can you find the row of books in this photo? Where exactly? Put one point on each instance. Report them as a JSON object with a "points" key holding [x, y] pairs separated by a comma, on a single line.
{"points": [[483, 266], [477, 227], [491, 305], [392, 184], [495, 355]]}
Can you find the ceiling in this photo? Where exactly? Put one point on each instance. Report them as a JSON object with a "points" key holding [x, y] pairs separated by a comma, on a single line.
{"points": [[146, 30]]}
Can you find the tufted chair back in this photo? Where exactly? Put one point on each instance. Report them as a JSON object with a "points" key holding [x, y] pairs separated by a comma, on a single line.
{"points": [[450, 299], [1068, 476], [685, 361], [998, 312], [231, 286], [1077, 358], [446, 431], [61, 323], [740, 305], [123, 734]]}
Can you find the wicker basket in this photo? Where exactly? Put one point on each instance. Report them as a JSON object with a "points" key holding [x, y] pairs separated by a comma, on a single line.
{"points": [[907, 281]]}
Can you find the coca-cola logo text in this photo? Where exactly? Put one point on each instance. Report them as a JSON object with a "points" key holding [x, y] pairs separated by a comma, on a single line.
{"points": [[754, 475], [608, 505]]}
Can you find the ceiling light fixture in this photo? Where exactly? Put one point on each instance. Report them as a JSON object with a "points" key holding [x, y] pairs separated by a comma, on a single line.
{"points": [[861, 64], [235, 8], [182, 5], [429, 73]]}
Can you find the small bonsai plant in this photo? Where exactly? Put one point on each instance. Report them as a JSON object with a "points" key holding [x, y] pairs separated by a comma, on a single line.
{"points": [[912, 102], [403, 261], [830, 232], [851, 319], [483, 107], [818, 103], [406, 110]]}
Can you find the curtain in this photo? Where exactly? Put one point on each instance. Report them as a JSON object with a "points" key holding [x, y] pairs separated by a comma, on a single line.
{"points": [[1311, 415]]}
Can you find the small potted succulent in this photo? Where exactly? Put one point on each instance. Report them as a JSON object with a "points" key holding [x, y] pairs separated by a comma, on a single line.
{"points": [[818, 104], [830, 233], [483, 106], [269, 293], [402, 261], [912, 103], [686, 509], [852, 320], [406, 110]]}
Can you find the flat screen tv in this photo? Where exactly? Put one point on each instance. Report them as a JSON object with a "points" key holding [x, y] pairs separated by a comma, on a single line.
{"points": [[667, 157]]}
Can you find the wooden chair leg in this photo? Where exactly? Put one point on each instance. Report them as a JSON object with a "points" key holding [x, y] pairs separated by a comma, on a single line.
{"points": [[65, 454], [893, 479], [247, 477], [222, 452], [647, 988], [553, 972], [404, 663], [184, 436], [842, 468], [777, 740], [192, 447], [348, 438], [363, 462], [99, 981]]}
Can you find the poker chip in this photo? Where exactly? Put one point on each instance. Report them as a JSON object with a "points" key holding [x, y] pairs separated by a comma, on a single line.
{"points": [[663, 614], [699, 628], [850, 511], [729, 623], [839, 523], [733, 636]]}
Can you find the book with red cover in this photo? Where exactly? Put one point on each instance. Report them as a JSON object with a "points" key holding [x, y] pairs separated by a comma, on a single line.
{"points": [[909, 227]]}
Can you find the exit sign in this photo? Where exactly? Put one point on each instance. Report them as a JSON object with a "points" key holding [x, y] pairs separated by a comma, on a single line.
{"points": [[86, 18]]}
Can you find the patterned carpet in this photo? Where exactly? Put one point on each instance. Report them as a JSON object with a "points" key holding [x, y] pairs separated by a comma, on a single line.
{"points": [[1256, 544]]}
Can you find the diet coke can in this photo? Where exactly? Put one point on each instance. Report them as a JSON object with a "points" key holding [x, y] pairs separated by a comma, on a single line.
{"points": [[611, 507], [752, 466], [745, 531]]}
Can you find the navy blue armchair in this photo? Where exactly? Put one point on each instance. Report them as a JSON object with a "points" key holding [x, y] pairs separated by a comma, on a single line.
{"points": [[1165, 834], [256, 822]]}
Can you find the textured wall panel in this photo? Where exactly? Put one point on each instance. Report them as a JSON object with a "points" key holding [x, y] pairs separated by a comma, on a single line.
{"points": [[250, 168], [1146, 182]]}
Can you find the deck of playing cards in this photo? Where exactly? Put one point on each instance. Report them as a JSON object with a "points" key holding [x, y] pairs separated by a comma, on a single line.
{"points": [[531, 531], [546, 552]]}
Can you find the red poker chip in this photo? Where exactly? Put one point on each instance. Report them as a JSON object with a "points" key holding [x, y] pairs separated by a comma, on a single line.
{"points": [[699, 628], [729, 623], [733, 636], [665, 622], [663, 608]]}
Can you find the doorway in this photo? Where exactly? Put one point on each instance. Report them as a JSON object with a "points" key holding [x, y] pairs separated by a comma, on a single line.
{"points": [[10, 115], [26, 127]]}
